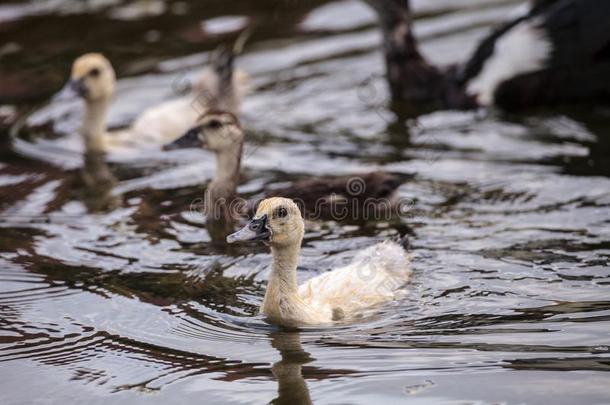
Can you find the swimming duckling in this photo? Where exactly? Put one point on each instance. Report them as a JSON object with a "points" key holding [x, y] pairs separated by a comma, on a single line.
{"points": [[220, 133], [93, 79], [375, 276], [555, 53], [356, 197]]}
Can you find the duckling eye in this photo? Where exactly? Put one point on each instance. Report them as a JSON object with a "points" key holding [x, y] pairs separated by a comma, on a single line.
{"points": [[95, 72], [281, 212], [213, 124]]}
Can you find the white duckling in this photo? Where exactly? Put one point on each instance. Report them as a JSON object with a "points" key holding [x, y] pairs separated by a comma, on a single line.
{"points": [[375, 276], [93, 79]]}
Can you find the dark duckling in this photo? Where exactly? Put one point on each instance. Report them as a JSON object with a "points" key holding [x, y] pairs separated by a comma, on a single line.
{"points": [[355, 198]]}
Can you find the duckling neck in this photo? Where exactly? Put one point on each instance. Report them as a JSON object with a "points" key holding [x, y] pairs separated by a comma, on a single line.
{"points": [[220, 196], [227, 165], [283, 280], [282, 304], [224, 184], [94, 125]]}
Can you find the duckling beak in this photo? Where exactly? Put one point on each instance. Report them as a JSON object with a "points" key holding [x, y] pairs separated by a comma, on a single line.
{"points": [[73, 89], [256, 229], [191, 139]]}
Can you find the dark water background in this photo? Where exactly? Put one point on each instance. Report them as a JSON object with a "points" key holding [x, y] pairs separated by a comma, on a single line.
{"points": [[117, 295]]}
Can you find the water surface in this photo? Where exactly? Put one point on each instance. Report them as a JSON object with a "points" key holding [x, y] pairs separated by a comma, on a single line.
{"points": [[117, 295]]}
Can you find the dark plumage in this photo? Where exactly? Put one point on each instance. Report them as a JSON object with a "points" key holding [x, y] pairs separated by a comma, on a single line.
{"points": [[358, 197], [576, 68]]}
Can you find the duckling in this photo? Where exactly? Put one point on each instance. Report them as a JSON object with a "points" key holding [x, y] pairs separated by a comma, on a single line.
{"points": [[375, 276], [356, 197], [221, 133], [555, 53], [93, 79]]}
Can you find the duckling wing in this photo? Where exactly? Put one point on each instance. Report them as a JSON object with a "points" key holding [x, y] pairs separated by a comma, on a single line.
{"points": [[376, 275]]}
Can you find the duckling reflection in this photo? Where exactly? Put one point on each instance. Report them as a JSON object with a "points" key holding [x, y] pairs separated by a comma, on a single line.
{"points": [[292, 387], [99, 183]]}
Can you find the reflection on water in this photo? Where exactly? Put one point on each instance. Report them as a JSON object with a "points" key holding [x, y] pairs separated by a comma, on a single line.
{"points": [[99, 183], [292, 387], [110, 287]]}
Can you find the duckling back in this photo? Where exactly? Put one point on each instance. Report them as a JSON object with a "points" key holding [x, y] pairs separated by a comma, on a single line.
{"points": [[375, 276]]}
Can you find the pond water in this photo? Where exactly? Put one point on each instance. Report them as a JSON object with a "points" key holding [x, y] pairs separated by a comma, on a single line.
{"points": [[116, 295]]}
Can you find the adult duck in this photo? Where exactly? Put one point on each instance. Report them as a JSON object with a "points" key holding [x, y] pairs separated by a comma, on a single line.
{"points": [[558, 52], [93, 79], [374, 277], [358, 197]]}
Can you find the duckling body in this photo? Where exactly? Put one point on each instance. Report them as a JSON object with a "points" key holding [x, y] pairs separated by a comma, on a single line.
{"points": [[160, 124], [375, 276], [165, 122], [372, 278], [356, 197]]}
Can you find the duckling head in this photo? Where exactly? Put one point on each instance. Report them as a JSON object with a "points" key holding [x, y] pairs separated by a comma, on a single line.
{"points": [[218, 131], [278, 222], [92, 78]]}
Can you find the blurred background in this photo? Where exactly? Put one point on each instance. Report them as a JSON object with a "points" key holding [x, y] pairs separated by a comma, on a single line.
{"points": [[116, 294], [41, 39]]}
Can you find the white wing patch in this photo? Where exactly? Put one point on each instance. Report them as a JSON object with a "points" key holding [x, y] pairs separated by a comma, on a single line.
{"points": [[523, 49]]}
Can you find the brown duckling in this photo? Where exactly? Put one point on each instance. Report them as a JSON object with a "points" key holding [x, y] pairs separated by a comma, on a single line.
{"points": [[358, 197]]}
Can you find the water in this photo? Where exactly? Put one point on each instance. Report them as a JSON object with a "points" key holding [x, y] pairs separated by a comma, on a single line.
{"points": [[114, 294]]}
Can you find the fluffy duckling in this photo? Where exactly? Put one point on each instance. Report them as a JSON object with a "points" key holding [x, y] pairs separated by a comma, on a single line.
{"points": [[93, 79], [375, 276], [220, 133], [355, 197]]}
